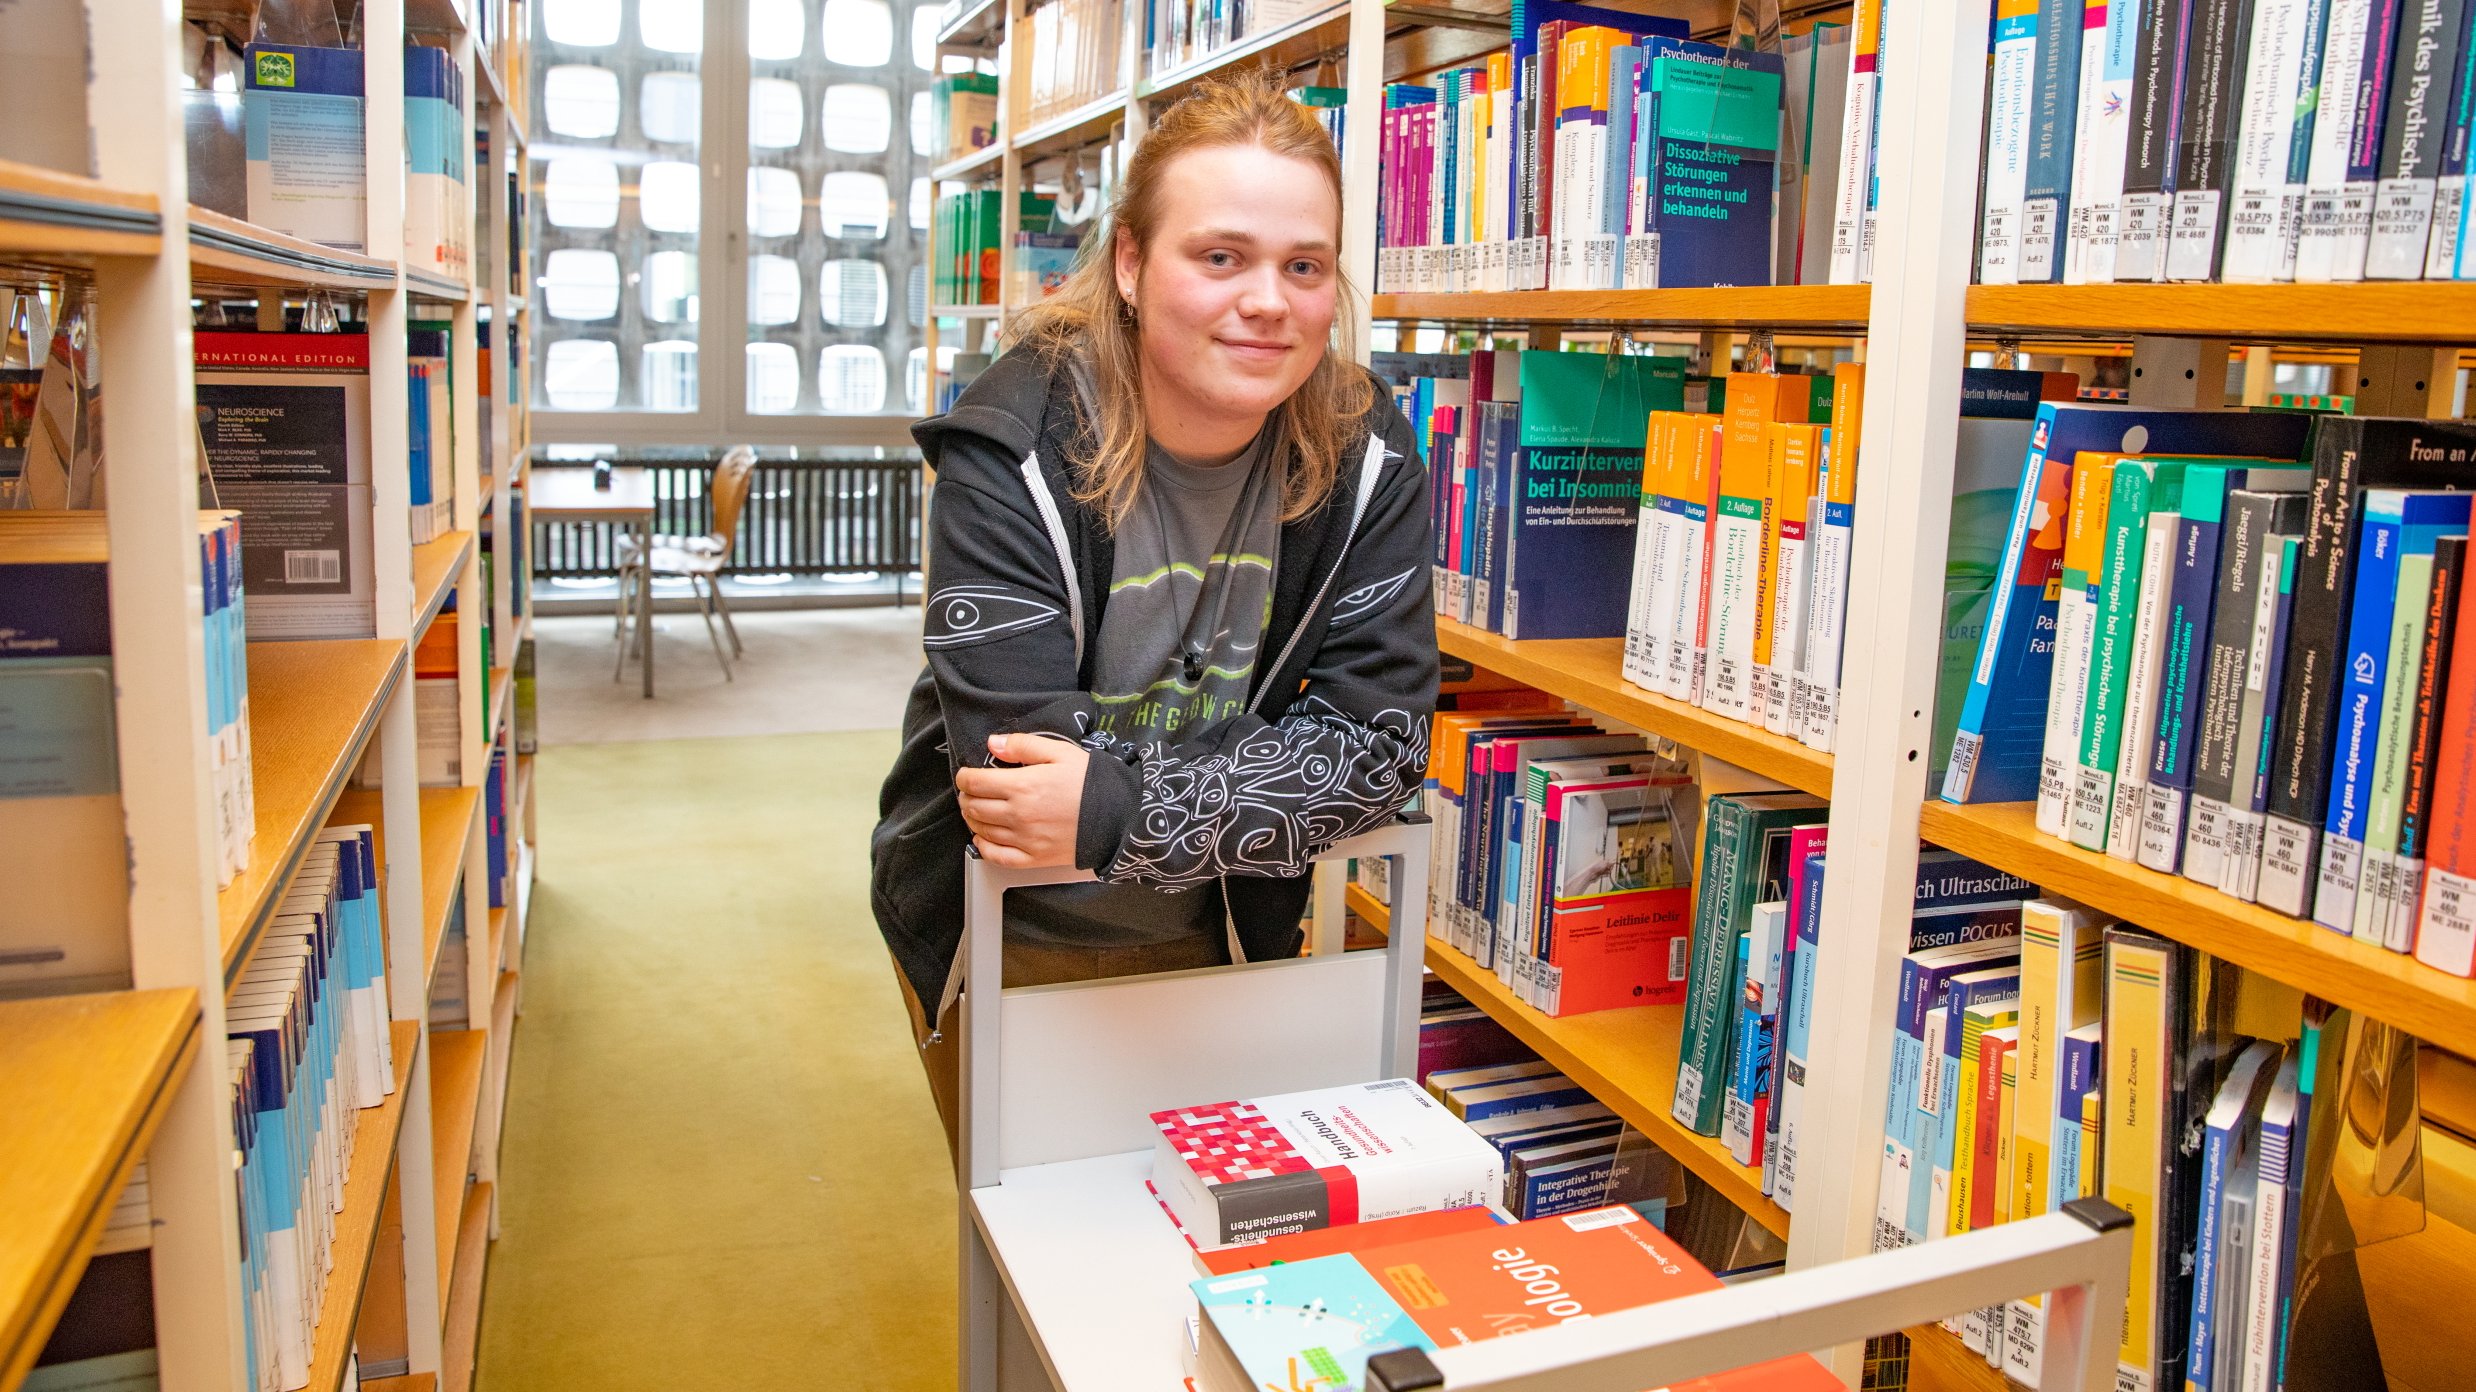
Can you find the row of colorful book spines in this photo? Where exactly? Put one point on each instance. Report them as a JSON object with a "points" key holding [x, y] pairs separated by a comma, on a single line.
{"points": [[2352, 184], [969, 235], [1998, 1111], [2134, 722]]}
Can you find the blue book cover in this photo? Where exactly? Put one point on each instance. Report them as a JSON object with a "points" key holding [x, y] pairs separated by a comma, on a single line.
{"points": [[2394, 523], [1578, 487], [1925, 979], [335, 72], [1715, 127], [2003, 718], [2054, 118], [1306, 1324], [2080, 1078], [2232, 1126], [1500, 426]]}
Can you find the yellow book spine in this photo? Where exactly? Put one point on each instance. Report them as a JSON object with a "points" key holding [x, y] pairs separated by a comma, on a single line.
{"points": [[2133, 1141], [2033, 1112], [1964, 1132], [2093, 1112]]}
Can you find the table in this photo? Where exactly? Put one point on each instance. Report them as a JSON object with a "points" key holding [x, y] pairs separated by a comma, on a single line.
{"points": [[568, 495]]}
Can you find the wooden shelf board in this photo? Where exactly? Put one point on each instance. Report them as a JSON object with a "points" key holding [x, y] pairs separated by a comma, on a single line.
{"points": [[2387, 311], [356, 1228], [456, 1058], [1802, 306], [449, 819], [967, 311], [977, 162], [1083, 125], [1585, 672], [94, 1074], [1298, 41], [522, 792], [460, 1345], [312, 707], [410, 1382], [2432, 1005], [503, 1051], [1627, 1058], [45, 213], [227, 251], [1939, 1362], [429, 285], [437, 565], [979, 25], [502, 695]]}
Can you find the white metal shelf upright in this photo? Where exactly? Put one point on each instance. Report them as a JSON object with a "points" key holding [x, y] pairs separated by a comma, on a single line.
{"points": [[159, 663]]}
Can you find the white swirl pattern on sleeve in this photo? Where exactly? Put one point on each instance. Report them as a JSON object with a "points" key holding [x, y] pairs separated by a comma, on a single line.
{"points": [[1267, 805]]}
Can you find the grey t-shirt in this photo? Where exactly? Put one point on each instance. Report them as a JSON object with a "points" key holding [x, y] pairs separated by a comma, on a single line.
{"points": [[1189, 597]]}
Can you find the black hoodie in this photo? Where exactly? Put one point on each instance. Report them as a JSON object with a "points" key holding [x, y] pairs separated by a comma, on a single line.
{"points": [[1333, 741]]}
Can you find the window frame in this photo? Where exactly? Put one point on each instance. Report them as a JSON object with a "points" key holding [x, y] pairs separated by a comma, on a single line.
{"points": [[724, 249]]}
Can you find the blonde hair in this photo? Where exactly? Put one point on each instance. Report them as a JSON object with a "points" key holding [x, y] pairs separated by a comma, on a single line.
{"points": [[1088, 316]]}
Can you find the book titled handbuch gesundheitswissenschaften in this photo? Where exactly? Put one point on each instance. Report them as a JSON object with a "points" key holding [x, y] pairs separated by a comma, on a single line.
{"points": [[1234, 1172]]}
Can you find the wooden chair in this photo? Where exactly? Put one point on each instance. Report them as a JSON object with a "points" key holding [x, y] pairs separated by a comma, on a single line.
{"points": [[697, 559]]}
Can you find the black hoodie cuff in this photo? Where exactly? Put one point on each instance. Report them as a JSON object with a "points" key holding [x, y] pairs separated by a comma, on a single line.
{"points": [[1111, 796]]}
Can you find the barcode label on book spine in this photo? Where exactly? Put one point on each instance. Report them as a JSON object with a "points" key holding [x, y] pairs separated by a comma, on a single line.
{"points": [[1680, 954], [2192, 248], [2136, 249], [2446, 932], [2037, 241]]}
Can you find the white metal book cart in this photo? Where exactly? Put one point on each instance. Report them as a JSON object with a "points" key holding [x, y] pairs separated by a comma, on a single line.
{"points": [[1074, 1277]]}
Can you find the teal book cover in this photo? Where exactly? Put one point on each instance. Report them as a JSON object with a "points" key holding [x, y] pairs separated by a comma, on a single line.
{"points": [[1310, 1324], [1578, 487]]}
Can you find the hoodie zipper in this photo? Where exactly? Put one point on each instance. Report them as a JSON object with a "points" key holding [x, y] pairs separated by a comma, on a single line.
{"points": [[1373, 463]]}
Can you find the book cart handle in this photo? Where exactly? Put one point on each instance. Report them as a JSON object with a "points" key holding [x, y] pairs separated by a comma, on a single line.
{"points": [[1404, 842], [2079, 1256]]}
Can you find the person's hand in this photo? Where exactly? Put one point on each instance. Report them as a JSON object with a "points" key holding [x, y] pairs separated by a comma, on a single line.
{"points": [[1024, 818]]}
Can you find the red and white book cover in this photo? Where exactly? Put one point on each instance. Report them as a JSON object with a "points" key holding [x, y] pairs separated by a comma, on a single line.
{"points": [[1237, 1172]]}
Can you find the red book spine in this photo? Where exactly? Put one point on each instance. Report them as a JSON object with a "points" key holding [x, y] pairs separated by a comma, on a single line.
{"points": [[2446, 922], [284, 352]]}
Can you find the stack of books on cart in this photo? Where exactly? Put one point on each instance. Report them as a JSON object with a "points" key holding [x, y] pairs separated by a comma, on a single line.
{"points": [[1333, 1225]]}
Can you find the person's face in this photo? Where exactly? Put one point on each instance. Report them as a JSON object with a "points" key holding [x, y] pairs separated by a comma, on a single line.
{"points": [[1234, 299]]}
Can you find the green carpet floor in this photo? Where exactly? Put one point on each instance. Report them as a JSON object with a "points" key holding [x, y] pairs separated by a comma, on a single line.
{"points": [[721, 1168]]}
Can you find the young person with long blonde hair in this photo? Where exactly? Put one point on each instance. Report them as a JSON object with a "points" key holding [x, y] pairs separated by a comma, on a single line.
{"points": [[1177, 624]]}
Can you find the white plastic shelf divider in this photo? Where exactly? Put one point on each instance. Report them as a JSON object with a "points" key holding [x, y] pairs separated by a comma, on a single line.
{"points": [[1096, 1270]]}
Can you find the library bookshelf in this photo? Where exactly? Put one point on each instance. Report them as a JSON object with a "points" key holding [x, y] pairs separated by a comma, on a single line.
{"points": [[96, 1085], [1914, 326]]}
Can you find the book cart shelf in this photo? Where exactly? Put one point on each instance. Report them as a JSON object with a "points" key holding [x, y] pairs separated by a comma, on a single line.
{"points": [[1918, 319], [107, 1083]]}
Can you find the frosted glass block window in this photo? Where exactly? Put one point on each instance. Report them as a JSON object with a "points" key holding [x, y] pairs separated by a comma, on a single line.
{"points": [[581, 374], [851, 379], [581, 191], [859, 33], [580, 284], [581, 23], [774, 202], [776, 111], [852, 203], [773, 378], [922, 132], [926, 20], [857, 119], [915, 296], [667, 195], [672, 26], [919, 203], [851, 294], [581, 101], [773, 289], [777, 30], [915, 373], [669, 107], [670, 375], [669, 287]]}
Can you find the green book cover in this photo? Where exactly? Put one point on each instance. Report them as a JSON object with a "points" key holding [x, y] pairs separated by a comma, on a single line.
{"points": [[2384, 809], [2141, 485], [1744, 863]]}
